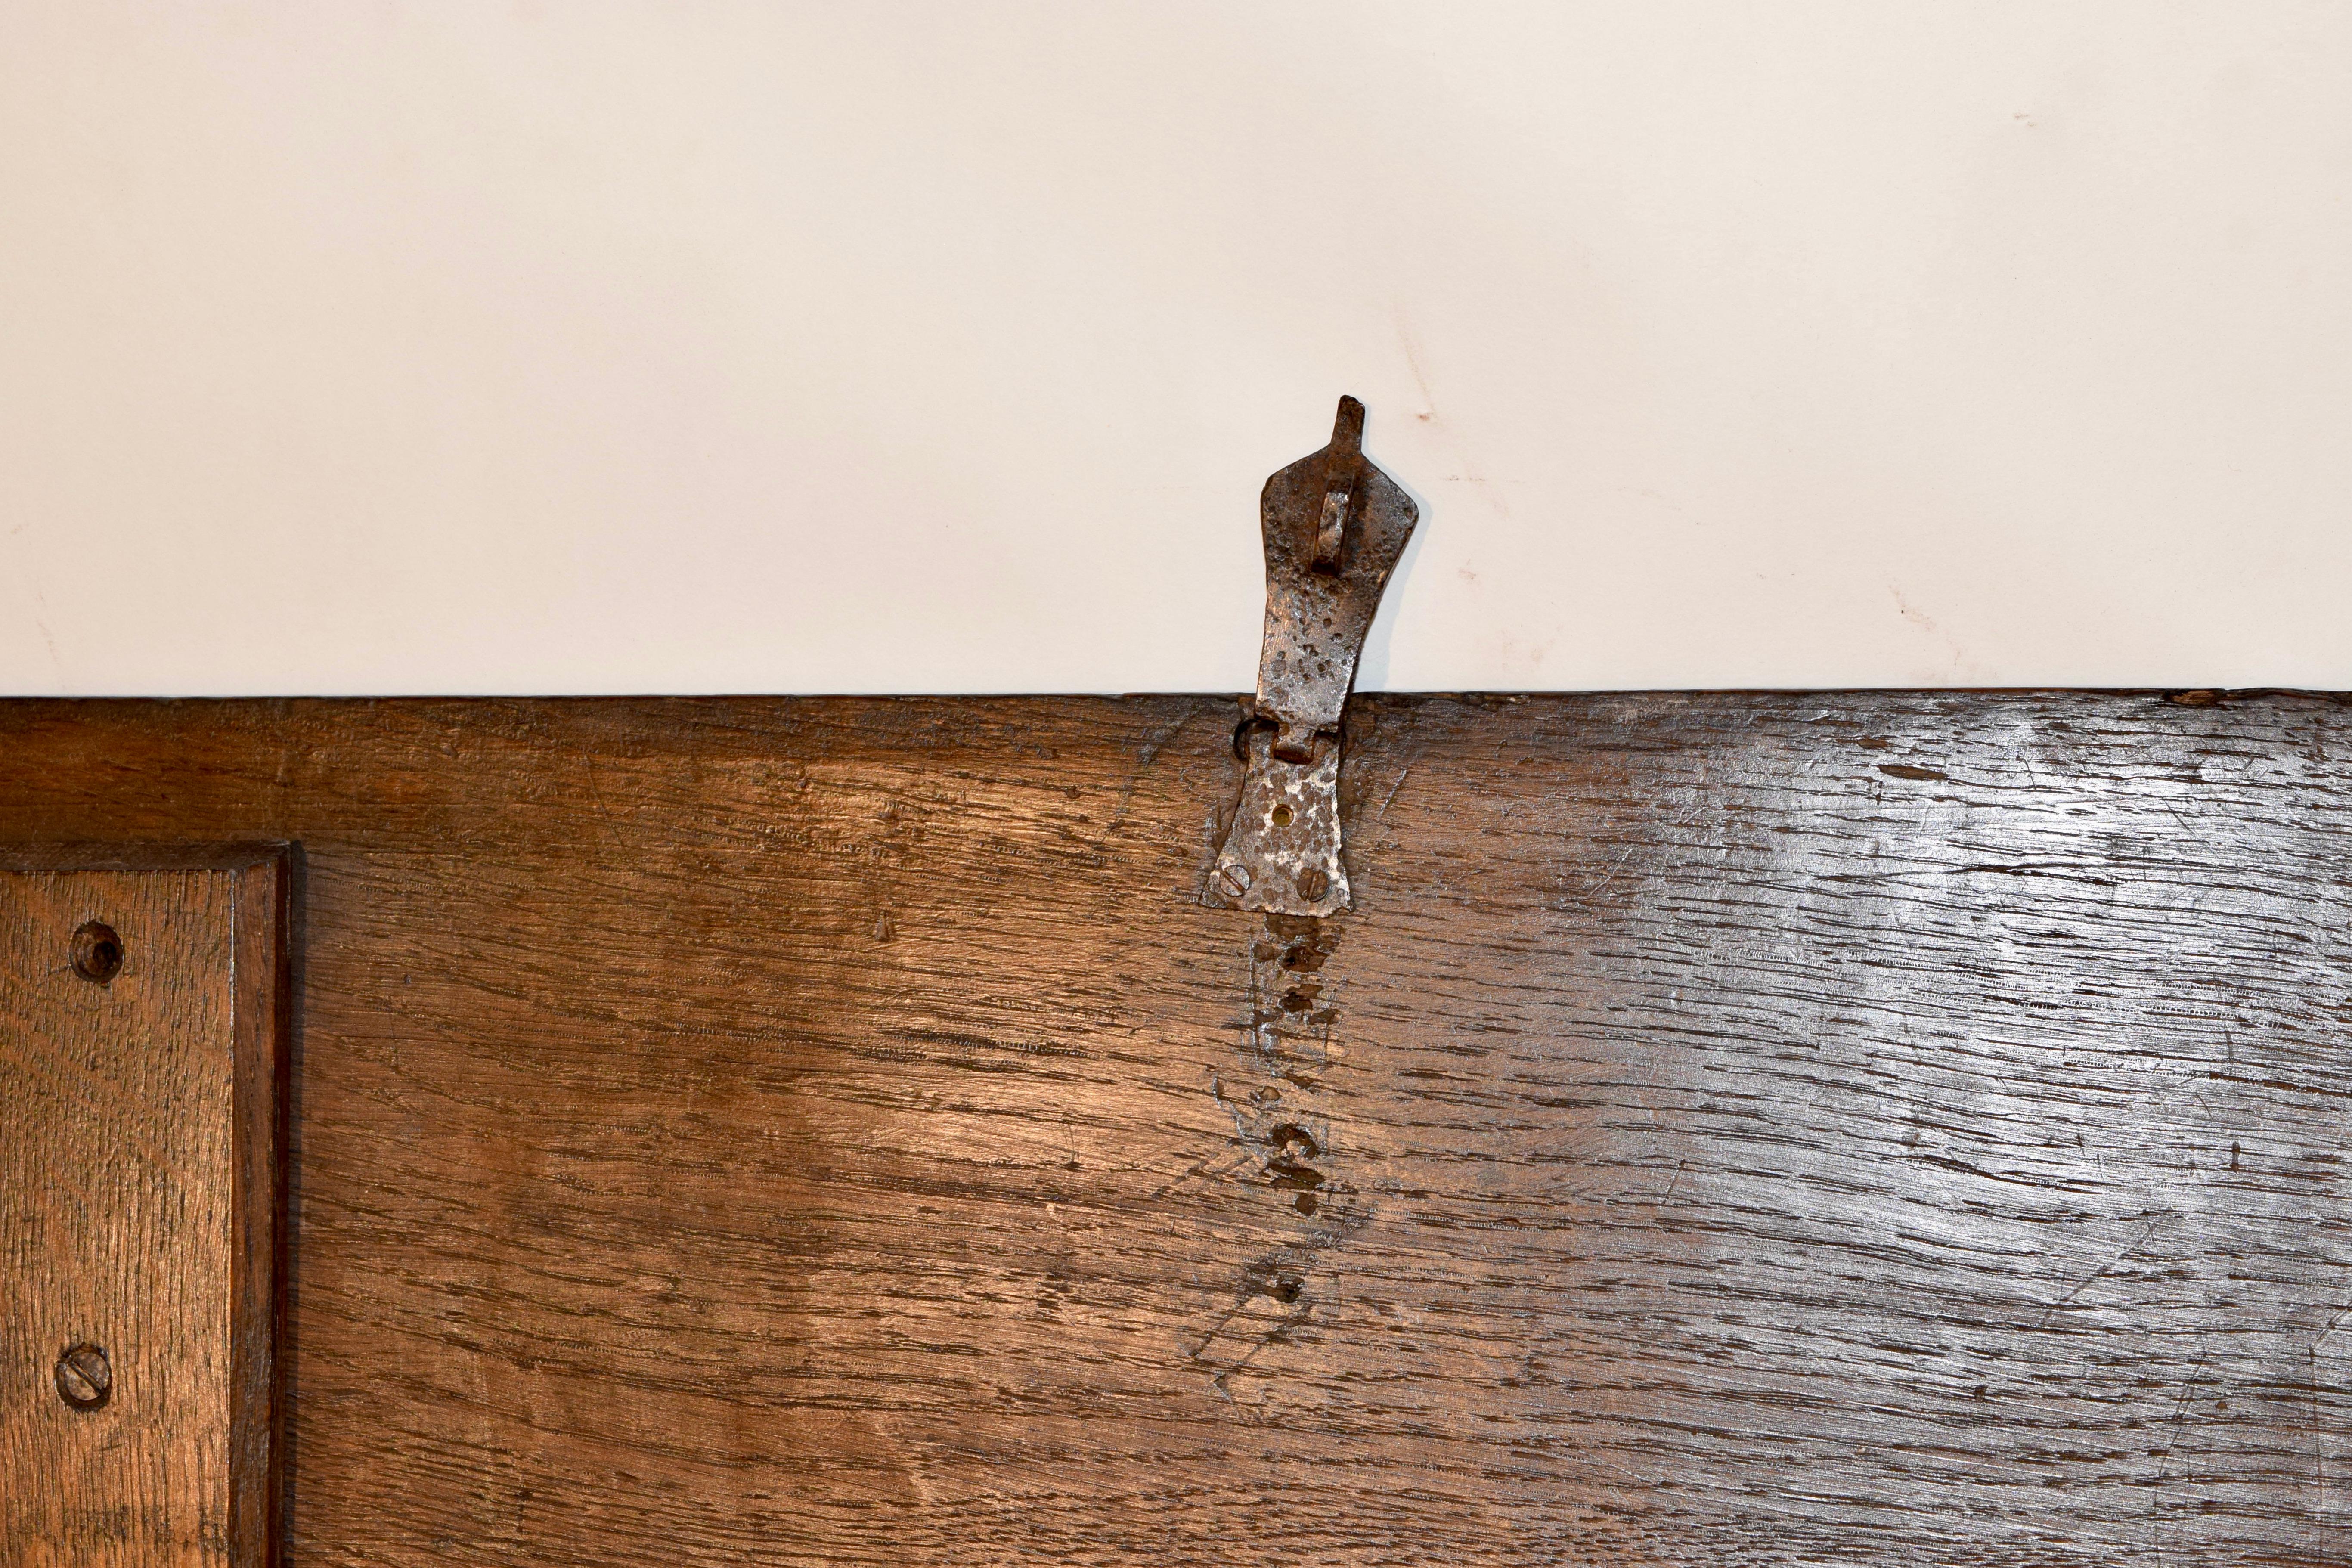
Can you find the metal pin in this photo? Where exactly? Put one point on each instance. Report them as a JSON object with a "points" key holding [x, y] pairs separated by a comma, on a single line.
{"points": [[1340, 484]]}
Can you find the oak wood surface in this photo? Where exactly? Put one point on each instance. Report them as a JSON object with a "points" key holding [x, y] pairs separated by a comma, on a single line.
{"points": [[1729, 1129], [139, 1013]]}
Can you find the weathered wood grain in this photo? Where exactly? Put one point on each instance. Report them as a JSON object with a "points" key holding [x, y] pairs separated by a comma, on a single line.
{"points": [[140, 1017], [1732, 1129]]}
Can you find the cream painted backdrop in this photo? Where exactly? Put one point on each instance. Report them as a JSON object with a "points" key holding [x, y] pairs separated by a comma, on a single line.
{"points": [[462, 347]]}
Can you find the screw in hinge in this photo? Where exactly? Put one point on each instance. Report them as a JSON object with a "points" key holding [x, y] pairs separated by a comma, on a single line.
{"points": [[1233, 879], [85, 1377]]}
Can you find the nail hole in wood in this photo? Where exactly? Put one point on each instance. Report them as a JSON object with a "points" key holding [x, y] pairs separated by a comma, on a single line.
{"points": [[1292, 1142], [97, 952]]}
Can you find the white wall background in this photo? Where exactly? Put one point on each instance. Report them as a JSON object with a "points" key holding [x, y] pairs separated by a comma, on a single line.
{"points": [[451, 346]]}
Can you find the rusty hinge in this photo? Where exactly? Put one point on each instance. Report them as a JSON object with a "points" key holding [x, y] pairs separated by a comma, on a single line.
{"points": [[1335, 527]]}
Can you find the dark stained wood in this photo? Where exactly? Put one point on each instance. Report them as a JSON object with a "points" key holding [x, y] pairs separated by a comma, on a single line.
{"points": [[143, 1016], [1732, 1129]]}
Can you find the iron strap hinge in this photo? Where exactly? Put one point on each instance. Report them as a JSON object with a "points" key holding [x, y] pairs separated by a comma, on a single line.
{"points": [[1335, 527]]}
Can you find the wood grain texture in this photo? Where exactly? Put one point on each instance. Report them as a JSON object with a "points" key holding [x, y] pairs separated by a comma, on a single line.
{"points": [[1731, 1129], [138, 1188]]}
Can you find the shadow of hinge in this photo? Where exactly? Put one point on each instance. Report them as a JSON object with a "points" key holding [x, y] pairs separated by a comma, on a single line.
{"points": [[1335, 527]]}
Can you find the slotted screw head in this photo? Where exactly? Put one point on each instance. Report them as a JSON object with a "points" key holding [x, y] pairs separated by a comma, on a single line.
{"points": [[85, 1377], [1233, 879]]}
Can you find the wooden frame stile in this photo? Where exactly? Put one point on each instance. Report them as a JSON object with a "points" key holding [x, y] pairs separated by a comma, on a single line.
{"points": [[263, 908]]}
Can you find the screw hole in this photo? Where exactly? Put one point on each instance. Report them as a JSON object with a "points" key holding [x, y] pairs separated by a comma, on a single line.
{"points": [[97, 952], [1291, 1141], [1282, 817]]}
